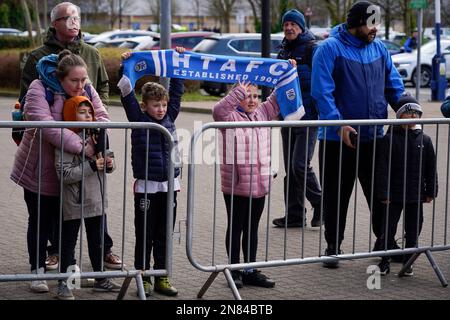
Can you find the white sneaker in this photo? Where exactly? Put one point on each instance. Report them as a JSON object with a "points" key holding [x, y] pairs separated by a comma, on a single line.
{"points": [[39, 286], [64, 293]]}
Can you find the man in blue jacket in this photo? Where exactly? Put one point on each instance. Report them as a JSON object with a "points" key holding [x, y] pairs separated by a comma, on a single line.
{"points": [[299, 45], [353, 78], [411, 43]]}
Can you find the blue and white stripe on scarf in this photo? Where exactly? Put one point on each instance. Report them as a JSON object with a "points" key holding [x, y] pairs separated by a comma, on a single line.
{"points": [[190, 65]]}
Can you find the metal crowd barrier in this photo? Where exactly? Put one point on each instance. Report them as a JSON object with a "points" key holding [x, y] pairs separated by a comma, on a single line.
{"points": [[126, 273], [207, 219]]}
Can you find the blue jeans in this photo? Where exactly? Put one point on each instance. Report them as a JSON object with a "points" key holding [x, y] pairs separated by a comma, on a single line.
{"points": [[299, 164]]}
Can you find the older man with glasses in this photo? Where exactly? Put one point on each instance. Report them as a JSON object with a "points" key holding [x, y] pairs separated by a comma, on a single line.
{"points": [[65, 33]]}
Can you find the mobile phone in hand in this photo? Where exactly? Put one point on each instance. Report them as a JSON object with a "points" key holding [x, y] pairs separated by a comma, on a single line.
{"points": [[353, 138]]}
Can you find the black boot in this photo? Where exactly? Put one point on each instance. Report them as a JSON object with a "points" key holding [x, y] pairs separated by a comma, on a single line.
{"points": [[384, 266], [316, 221], [331, 251]]}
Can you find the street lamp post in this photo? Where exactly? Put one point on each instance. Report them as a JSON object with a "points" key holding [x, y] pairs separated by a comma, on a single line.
{"points": [[265, 38], [439, 82], [120, 14], [165, 28]]}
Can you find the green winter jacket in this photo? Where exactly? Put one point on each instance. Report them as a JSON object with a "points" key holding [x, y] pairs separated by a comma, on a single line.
{"points": [[91, 56]]}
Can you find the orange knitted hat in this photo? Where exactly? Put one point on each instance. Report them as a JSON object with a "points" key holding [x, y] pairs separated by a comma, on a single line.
{"points": [[71, 106]]}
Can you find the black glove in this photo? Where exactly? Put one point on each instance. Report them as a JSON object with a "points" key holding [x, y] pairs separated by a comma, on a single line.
{"points": [[102, 141]]}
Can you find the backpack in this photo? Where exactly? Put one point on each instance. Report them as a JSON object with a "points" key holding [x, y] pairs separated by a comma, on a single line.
{"points": [[17, 133]]}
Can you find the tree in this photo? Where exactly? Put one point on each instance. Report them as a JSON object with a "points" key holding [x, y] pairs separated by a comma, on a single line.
{"points": [[38, 23], [390, 8], [338, 10], [222, 9], [198, 4], [155, 8], [4, 15], [26, 11]]}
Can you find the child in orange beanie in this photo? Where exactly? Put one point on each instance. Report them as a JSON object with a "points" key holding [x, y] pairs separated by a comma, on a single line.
{"points": [[83, 184]]}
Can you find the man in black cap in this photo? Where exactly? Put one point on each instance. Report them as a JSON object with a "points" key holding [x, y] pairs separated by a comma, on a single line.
{"points": [[299, 143], [353, 77]]}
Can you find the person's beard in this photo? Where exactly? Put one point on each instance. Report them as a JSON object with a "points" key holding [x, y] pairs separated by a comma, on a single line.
{"points": [[366, 37]]}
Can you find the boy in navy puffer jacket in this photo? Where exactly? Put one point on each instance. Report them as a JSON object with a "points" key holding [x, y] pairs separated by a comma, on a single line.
{"points": [[150, 191], [419, 173]]}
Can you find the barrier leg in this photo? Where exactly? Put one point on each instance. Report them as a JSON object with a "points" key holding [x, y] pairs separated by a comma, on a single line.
{"points": [[408, 264], [124, 289], [207, 284], [436, 269], [140, 287], [232, 285]]}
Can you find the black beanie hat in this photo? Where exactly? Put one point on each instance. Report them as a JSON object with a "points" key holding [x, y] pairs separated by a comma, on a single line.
{"points": [[357, 15], [407, 103]]}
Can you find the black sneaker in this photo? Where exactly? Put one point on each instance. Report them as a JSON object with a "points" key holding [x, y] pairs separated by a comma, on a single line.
{"points": [[256, 278], [385, 267], [331, 264], [237, 278], [291, 223], [408, 272], [315, 223]]}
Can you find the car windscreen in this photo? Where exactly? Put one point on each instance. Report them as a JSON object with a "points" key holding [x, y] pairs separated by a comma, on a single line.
{"points": [[128, 44], [206, 45]]}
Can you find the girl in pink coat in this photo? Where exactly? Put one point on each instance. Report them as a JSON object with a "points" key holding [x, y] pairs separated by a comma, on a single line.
{"points": [[245, 174], [65, 75]]}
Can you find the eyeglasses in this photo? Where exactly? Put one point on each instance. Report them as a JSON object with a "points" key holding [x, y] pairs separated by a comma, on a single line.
{"points": [[70, 19], [412, 113]]}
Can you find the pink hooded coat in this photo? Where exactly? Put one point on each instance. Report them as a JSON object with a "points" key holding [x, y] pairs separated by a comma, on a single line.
{"points": [[241, 139], [25, 170]]}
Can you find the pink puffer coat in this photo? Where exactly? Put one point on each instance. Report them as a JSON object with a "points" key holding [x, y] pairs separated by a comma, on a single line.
{"points": [[245, 157], [25, 171]]}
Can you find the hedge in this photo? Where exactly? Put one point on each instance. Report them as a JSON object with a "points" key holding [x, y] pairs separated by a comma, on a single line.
{"points": [[11, 42], [10, 65]]}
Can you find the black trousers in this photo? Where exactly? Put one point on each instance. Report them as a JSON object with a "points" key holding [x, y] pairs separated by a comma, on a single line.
{"points": [[70, 230], [390, 219], [334, 233], [300, 163], [37, 241], [242, 227], [154, 229], [54, 236]]}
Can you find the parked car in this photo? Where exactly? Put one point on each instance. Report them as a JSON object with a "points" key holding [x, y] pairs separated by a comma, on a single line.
{"points": [[393, 47], [114, 43], [430, 33], [120, 34], [319, 32], [406, 63], [188, 40], [9, 32], [234, 44], [139, 43], [88, 36]]}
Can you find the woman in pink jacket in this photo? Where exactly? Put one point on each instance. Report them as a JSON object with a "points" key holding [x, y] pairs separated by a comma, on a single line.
{"points": [[245, 174], [65, 76]]}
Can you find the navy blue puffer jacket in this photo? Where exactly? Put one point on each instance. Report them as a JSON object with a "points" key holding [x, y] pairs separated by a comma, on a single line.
{"points": [[302, 50], [158, 148]]}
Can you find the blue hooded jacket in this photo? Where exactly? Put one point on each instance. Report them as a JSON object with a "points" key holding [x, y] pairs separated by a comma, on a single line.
{"points": [[353, 80], [46, 69]]}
